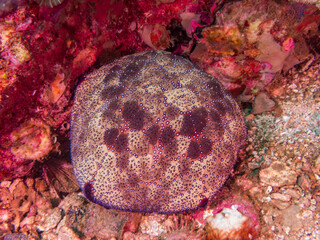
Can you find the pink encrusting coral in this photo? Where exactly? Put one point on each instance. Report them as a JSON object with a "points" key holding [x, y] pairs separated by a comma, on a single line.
{"points": [[152, 133], [40, 60]]}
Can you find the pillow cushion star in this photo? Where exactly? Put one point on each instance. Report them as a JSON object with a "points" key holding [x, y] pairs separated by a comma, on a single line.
{"points": [[150, 132]]}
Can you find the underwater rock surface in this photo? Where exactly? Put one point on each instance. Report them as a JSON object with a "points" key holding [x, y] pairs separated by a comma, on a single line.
{"points": [[152, 133]]}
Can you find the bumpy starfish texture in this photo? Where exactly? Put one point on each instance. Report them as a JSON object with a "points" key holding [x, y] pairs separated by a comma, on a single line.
{"points": [[151, 132]]}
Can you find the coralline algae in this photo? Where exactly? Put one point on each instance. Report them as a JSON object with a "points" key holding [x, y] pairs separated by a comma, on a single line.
{"points": [[152, 133]]}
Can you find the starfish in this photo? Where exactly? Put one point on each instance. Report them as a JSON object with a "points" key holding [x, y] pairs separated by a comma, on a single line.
{"points": [[151, 132]]}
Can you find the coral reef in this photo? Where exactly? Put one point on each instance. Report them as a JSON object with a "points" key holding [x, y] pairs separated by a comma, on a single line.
{"points": [[152, 133], [250, 46], [248, 43], [39, 66]]}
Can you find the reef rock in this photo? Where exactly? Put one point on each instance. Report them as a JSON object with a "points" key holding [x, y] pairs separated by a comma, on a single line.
{"points": [[152, 133]]}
